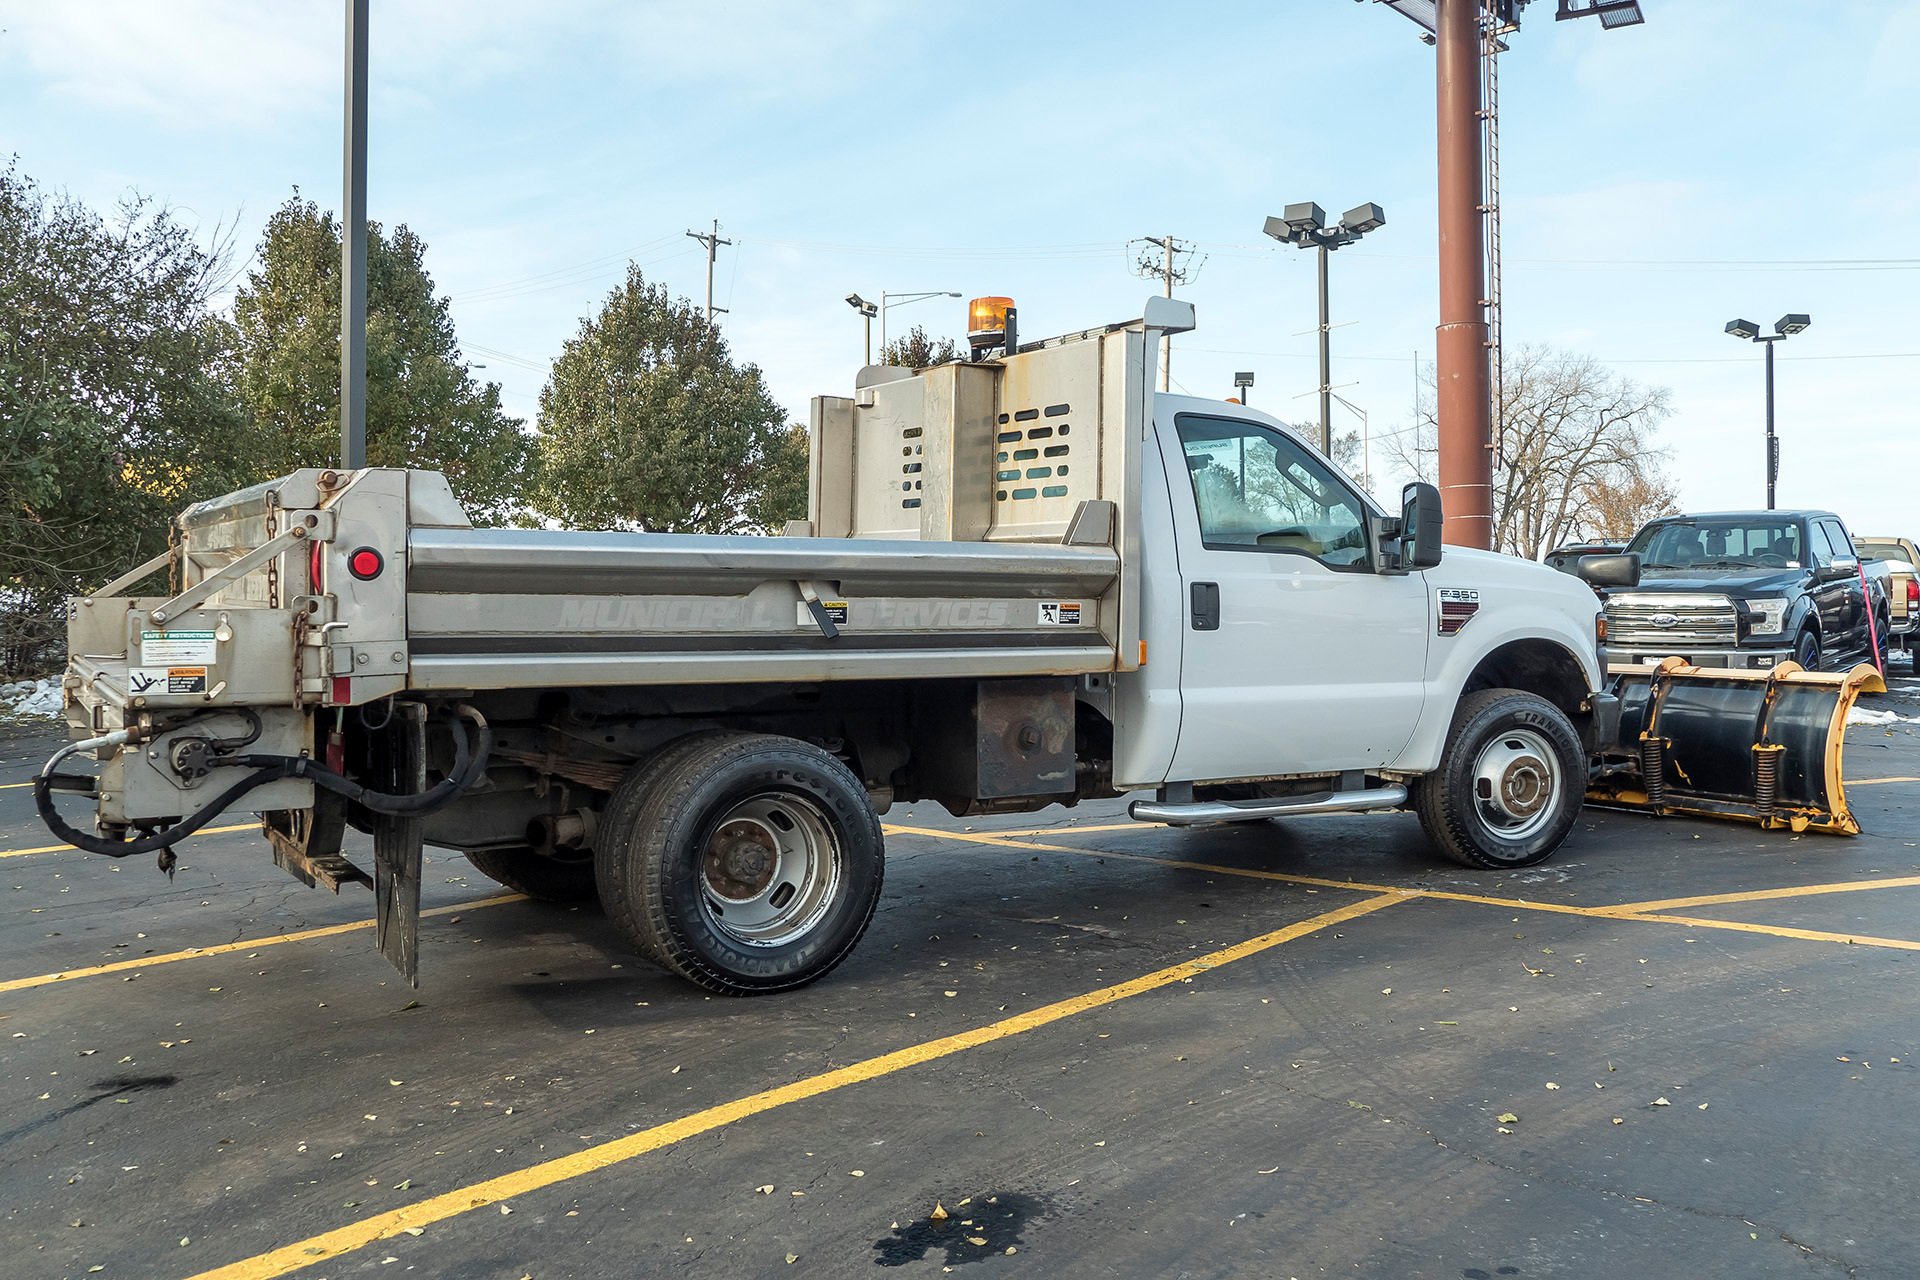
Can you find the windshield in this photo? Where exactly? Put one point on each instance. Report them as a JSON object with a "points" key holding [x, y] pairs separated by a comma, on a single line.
{"points": [[1730, 543], [1870, 550]]}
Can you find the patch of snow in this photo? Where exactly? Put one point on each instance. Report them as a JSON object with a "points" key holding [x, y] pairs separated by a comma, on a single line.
{"points": [[31, 697]]}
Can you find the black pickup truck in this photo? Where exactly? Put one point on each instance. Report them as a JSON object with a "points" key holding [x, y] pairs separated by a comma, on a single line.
{"points": [[1748, 589]]}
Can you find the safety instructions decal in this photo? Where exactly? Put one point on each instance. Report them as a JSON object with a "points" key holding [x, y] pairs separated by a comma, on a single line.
{"points": [[164, 648], [1059, 613], [144, 680]]}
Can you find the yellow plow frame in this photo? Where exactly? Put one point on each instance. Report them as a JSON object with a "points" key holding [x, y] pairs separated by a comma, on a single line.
{"points": [[1756, 746]]}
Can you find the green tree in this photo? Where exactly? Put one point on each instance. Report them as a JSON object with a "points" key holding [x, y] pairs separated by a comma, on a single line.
{"points": [[424, 408], [918, 351], [113, 413], [647, 423]]}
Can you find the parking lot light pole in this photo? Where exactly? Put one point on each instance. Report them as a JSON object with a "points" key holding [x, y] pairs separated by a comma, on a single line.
{"points": [[1304, 226], [901, 300], [867, 312], [1784, 328]]}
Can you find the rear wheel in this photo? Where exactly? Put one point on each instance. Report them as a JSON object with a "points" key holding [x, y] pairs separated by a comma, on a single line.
{"points": [[548, 879], [1510, 783], [1806, 651], [746, 863], [1881, 624]]}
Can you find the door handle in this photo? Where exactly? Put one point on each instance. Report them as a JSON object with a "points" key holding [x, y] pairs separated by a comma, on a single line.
{"points": [[1206, 606]]}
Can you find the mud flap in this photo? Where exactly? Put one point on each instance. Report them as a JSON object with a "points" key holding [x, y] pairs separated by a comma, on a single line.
{"points": [[1758, 746], [397, 844]]}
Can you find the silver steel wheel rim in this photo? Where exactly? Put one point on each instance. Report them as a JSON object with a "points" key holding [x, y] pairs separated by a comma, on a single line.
{"points": [[769, 870], [1516, 783]]}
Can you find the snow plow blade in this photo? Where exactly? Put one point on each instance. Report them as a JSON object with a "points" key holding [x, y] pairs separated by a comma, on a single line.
{"points": [[1755, 746]]}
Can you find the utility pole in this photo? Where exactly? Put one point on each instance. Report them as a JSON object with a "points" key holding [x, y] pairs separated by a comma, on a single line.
{"points": [[1170, 275], [712, 242], [353, 248]]}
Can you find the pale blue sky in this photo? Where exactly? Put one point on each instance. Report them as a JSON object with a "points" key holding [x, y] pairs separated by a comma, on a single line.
{"points": [[1730, 157]]}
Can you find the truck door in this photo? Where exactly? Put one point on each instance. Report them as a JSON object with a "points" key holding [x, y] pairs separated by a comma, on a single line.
{"points": [[1833, 593], [1856, 595], [1296, 656]]}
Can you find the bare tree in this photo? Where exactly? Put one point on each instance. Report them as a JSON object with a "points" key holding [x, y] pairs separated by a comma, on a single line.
{"points": [[1577, 456]]}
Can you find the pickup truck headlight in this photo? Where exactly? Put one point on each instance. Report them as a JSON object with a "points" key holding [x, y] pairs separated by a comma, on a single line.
{"points": [[1772, 614]]}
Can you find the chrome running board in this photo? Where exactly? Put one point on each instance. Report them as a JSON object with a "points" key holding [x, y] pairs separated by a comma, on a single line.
{"points": [[1186, 815]]}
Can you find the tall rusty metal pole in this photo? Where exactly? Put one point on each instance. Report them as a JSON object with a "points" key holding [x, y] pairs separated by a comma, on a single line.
{"points": [[1463, 390]]}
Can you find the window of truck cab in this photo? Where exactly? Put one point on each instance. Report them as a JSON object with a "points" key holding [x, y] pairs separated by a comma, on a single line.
{"points": [[1704, 542], [1257, 490]]}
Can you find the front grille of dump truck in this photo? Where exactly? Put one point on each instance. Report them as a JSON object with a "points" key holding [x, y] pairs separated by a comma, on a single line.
{"points": [[1671, 624]]}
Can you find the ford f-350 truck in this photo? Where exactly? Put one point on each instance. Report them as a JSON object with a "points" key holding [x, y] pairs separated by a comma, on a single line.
{"points": [[1024, 580]]}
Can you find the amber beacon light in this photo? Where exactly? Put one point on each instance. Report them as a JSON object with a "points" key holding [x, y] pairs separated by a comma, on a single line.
{"points": [[989, 321]]}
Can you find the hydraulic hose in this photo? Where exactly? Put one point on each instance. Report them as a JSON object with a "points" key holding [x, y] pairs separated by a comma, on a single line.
{"points": [[469, 765]]}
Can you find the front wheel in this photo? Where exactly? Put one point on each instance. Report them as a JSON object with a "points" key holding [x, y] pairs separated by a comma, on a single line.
{"points": [[1510, 781], [745, 863], [1806, 651]]}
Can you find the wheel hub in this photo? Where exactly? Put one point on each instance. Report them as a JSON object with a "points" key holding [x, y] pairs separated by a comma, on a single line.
{"points": [[1516, 780], [740, 860], [771, 869]]}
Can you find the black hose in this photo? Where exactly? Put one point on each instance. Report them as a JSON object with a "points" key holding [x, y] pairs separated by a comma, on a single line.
{"points": [[43, 801], [469, 765], [467, 769]]}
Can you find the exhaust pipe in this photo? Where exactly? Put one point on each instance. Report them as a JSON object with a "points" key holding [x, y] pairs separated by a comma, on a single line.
{"points": [[556, 835]]}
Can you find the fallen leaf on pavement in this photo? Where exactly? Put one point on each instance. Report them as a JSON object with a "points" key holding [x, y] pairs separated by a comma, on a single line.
{"points": [[766, 1190], [939, 1214], [1661, 1102], [1509, 1118]]}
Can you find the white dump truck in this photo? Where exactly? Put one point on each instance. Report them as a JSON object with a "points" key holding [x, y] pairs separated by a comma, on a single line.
{"points": [[1024, 580]]}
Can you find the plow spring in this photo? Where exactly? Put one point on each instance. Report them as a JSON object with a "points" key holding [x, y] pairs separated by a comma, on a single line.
{"points": [[1759, 746]]}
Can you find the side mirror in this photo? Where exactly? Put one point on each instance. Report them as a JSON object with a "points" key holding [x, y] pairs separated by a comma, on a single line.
{"points": [[1420, 523], [1844, 565], [1609, 571]]}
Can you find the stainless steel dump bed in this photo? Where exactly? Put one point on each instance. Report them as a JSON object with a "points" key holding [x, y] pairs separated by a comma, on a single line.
{"points": [[497, 609]]}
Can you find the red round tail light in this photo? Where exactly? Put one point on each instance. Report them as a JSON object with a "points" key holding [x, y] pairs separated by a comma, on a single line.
{"points": [[365, 563]]}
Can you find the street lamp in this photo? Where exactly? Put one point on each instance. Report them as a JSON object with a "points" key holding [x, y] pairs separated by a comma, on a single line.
{"points": [[901, 300], [1244, 381], [867, 312], [1304, 226], [1784, 328]]}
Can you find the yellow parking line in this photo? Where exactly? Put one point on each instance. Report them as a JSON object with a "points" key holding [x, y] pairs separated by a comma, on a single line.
{"points": [[332, 1244], [198, 953], [1757, 895], [1868, 782], [1627, 911], [55, 848], [9, 786], [1809, 935]]}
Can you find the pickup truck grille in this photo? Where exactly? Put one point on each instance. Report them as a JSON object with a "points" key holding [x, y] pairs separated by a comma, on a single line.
{"points": [[1670, 624]]}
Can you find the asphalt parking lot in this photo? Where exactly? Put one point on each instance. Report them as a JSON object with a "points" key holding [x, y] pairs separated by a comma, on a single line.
{"points": [[1307, 1048]]}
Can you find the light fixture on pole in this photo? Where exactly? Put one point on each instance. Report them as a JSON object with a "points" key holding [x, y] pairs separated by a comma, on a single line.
{"points": [[1305, 226], [1784, 328], [867, 312], [1612, 13], [901, 300], [1244, 381]]}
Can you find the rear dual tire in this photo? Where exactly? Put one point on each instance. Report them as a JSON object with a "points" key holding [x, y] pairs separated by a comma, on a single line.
{"points": [[745, 863], [1510, 783]]}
